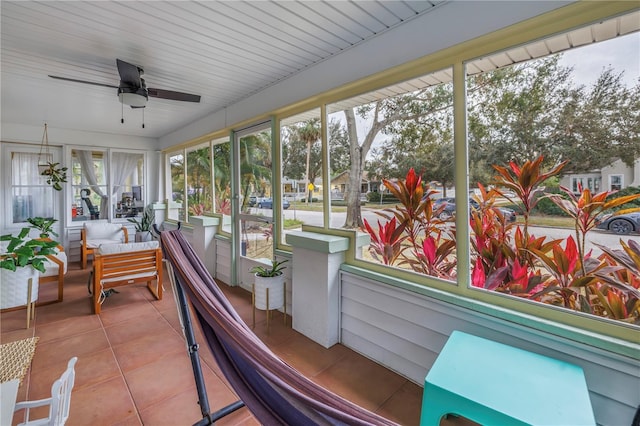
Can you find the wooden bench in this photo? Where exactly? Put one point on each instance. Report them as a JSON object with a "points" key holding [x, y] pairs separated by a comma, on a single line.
{"points": [[117, 265]]}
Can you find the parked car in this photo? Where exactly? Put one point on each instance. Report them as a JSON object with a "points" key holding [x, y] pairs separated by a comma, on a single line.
{"points": [[449, 209], [267, 203], [253, 200], [621, 224]]}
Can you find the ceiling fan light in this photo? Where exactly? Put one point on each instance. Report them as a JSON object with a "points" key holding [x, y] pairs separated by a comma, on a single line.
{"points": [[132, 97]]}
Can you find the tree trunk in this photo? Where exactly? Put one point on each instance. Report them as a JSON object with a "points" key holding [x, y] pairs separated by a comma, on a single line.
{"points": [[309, 191], [352, 194]]}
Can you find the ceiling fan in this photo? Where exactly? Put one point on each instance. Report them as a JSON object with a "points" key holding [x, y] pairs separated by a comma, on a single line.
{"points": [[133, 90]]}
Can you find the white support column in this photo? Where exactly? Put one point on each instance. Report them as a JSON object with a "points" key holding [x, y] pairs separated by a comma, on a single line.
{"points": [[204, 230], [316, 285]]}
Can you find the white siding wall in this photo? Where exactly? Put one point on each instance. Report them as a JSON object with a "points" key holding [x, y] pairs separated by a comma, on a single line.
{"points": [[223, 260], [405, 332]]}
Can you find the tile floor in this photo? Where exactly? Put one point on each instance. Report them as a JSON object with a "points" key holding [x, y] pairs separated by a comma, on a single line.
{"points": [[133, 367]]}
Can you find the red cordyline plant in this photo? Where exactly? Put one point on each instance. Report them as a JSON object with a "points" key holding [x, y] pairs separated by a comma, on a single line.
{"points": [[413, 226], [619, 289], [505, 256], [585, 208], [525, 180], [386, 244], [566, 283]]}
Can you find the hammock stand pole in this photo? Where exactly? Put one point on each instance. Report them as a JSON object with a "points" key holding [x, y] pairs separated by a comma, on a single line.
{"points": [[208, 418]]}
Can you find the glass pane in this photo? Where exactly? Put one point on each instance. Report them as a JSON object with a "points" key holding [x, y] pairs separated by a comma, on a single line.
{"points": [[222, 181], [176, 165], [302, 164], [32, 201], [32, 196], [256, 239], [539, 133], [255, 174], [200, 196], [389, 145], [128, 185], [256, 195], [89, 185]]}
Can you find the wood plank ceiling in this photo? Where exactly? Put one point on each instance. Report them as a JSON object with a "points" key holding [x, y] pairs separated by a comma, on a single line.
{"points": [[221, 50], [224, 51]]}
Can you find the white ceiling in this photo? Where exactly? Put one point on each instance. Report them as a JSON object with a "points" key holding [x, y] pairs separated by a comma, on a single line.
{"points": [[222, 50]]}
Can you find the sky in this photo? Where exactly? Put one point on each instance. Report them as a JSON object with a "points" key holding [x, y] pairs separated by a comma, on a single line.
{"points": [[588, 62], [622, 53]]}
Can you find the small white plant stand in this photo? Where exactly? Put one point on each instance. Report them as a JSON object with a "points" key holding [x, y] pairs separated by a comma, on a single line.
{"points": [[269, 293]]}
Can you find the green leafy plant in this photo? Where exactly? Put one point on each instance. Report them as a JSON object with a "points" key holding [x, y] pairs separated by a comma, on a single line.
{"points": [[55, 175], [146, 221], [44, 225], [275, 270], [23, 251]]}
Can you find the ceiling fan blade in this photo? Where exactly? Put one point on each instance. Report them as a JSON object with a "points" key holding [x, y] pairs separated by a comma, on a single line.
{"points": [[93, 83], [174, 96], [129, 73]]}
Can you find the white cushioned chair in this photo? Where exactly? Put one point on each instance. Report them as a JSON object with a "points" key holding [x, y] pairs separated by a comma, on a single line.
{"points": [[95, 233], [56, 268], [117, 265]]}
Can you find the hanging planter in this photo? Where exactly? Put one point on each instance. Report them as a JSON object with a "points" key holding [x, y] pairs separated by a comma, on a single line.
{"points": [[56, 175]]}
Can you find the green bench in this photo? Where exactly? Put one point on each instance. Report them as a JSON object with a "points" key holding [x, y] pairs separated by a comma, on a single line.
{"points": [[495, 384]]}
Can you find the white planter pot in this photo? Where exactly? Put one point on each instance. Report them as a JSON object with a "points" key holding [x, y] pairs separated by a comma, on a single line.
{"points": [[14, 287], [276, 292]]}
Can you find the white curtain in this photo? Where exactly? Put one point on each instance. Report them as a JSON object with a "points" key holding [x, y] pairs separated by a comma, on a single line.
{"points": [[31, 195], [86, 162], [123, 166]]}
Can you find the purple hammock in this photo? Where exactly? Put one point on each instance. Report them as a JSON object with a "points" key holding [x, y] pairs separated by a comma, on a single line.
{"points": [[274, 392]]}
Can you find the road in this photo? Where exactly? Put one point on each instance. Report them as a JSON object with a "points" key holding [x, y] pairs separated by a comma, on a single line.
{"points": [[595, 236]]}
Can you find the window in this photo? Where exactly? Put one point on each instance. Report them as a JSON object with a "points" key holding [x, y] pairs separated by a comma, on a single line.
{"points": [[379, 138], [221, 157], [106, 184], [30, 194], [577, 184], [205, 178], [615, 182], [302, 164], [177, 171], [198, 173], [536, 118], [90, 195], [128, 186]]}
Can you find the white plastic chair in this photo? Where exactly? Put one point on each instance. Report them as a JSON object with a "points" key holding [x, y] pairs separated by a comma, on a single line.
{"points": [[59, 403]]}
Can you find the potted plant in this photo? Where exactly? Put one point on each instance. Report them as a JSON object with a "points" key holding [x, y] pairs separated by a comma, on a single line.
{"points": [[55, 175], [143, 226], [21, 258], [21, 251], [44, 225], [269, 285]]}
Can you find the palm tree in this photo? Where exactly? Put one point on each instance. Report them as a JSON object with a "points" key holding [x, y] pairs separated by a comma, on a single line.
{"points": [[310, 133], [255, 163]]}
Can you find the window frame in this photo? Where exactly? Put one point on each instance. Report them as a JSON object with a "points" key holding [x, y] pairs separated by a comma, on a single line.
{"points": [[109, 185]]}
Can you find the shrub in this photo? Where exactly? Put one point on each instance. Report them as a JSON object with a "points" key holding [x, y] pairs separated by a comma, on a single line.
{"points": [[630, 190], [387, 197], [547, 207]]}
